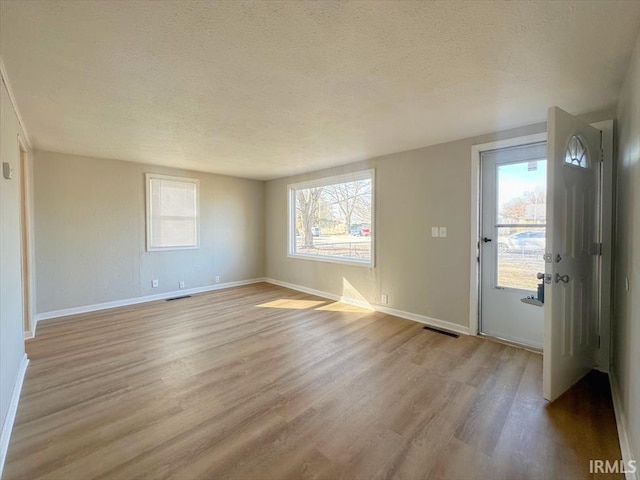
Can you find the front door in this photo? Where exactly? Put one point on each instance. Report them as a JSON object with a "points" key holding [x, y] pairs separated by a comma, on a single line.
{"points": [[512, 245], [571, 294]]}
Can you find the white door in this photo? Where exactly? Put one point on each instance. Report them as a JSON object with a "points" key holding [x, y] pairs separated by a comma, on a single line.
{"points": [[571, 296], [512, 242]]}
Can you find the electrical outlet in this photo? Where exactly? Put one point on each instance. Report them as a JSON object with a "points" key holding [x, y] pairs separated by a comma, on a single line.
{"points": [[443, 231], [217, 279], [181, 284], [154, 283], [435, 232], [385, 298]]}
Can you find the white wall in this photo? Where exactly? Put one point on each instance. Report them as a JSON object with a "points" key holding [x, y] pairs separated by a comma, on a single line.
{"points": [[626, 341], [11, 306], [90, 232]]}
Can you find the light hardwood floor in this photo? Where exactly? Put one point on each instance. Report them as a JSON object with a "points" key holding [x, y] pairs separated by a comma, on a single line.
{"points": [[264, 382]]}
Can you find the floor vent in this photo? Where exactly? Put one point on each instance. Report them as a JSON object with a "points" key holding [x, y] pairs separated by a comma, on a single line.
{"points": [[178, 298], [443, 332]]}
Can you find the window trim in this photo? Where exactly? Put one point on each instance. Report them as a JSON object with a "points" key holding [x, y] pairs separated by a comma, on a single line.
{"points": [[153, 176], [368, 174]]}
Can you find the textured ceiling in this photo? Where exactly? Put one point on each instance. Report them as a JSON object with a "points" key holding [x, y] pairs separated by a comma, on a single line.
{"points": [[267, 89]]}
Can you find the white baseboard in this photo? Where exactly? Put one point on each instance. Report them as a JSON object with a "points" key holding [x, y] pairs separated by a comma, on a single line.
{"points": [[7, 426], [133, 301], [300, 288], [433, 322], [621, 422]]}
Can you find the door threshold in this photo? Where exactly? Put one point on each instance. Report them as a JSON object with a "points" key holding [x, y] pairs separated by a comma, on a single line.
{"points": [[511, 343]]}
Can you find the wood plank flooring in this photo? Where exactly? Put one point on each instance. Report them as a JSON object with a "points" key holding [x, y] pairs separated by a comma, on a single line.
{"points": [[261, 382]]}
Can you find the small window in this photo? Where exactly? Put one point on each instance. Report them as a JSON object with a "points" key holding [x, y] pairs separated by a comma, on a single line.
{"points": [[172, 213], [332, 219], [576, 154]]}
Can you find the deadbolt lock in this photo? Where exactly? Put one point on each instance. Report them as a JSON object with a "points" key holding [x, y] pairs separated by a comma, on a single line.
{"points": [[544, 276]]}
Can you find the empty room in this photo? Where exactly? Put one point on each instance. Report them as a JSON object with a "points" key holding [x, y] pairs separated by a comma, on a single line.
{"points": [[319, 239]]}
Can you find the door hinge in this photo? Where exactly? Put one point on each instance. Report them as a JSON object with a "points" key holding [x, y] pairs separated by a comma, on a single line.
{"points": [[598, 341], [596, 249]]}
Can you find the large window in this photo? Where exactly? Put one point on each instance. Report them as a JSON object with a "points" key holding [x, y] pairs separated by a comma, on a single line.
{"points": [[172, 213], [332, 219]]}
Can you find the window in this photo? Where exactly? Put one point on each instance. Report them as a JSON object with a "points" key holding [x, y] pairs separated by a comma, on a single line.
{"points": [[332, 219], [172, 213], [521, 216], [576, 153]]}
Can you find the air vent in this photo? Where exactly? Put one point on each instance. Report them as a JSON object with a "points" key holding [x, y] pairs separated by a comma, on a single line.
{"points": [[178, 298]]}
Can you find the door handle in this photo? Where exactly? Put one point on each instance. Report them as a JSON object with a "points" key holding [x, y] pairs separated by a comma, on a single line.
{"points": [[562, 278], [486, 240]]}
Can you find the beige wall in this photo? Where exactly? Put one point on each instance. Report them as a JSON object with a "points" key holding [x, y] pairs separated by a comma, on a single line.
{"points": [[11, 306], [90, 232], [626, 346], [415, 190]]}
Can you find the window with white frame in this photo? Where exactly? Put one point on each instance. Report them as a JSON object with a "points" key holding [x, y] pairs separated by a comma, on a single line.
{"points": [[172, 213], [331, 219]]}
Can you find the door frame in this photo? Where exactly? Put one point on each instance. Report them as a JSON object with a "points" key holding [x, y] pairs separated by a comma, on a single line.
{"points": [[26, 238], [607, 205]]}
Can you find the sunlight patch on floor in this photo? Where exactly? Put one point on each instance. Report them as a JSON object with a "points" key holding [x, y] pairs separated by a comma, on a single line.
{"points": [[344, 307], [292, 304]]}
